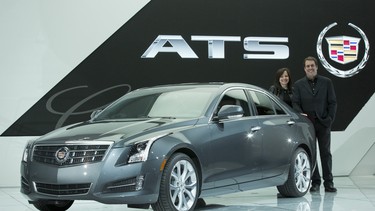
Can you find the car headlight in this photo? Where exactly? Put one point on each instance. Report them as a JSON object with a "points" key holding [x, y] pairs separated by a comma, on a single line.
{"points": [[139, 150], [26, 152]]}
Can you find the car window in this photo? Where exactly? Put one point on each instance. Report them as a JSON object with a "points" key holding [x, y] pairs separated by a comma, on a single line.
{"points": [[137, 107], [235, 97], [186, 103], [278, 109], [265, 105]]}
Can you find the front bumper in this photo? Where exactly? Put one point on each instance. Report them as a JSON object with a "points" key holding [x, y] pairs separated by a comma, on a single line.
{"points": [[103, 181]]}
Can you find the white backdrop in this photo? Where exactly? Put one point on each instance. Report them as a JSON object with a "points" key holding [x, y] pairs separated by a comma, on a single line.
{"points": [[41, 41]]}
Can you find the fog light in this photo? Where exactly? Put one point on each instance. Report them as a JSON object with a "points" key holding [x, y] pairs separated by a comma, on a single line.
{"points": [[139, 183]]}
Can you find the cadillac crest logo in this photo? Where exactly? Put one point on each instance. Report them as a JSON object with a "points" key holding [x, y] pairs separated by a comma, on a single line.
{"points": [[62, 154], [343, 50]]}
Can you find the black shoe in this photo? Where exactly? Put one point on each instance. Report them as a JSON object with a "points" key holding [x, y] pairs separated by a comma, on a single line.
{"points": [[330, 188], [200, 203], [314, 188]]}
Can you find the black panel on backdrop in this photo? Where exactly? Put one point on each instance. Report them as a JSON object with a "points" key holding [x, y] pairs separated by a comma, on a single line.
{"points": [[116, 66]]}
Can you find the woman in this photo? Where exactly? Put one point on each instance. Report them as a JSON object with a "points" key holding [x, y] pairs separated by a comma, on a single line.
{"points": [[282, 86]]}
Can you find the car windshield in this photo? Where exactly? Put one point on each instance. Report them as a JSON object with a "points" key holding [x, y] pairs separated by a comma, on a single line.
{"points": [[183, 103]]}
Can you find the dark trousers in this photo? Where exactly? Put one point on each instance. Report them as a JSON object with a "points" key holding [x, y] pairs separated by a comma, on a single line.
{"points": [[323, 135]]}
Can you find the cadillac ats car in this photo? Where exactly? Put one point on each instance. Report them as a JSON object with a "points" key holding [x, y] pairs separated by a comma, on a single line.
{"points": [[168, 146]]}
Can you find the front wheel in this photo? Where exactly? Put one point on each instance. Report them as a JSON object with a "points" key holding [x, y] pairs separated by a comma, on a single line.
{"points": [[299, 178], [46, 205], [179, 187]]}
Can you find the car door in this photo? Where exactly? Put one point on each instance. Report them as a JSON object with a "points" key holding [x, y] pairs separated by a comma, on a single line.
{"points": [[277, 128], [235, 146]]}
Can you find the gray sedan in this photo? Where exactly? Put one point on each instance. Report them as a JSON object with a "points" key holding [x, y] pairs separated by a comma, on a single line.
{"points": [[168, 146]]}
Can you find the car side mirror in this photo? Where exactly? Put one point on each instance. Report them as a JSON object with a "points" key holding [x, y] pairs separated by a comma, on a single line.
{"points": [[230, 112]]}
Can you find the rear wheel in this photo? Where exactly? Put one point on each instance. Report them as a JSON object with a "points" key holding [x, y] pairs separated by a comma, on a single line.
{"points": [[179, 187], [46, 205], [299, 178]]}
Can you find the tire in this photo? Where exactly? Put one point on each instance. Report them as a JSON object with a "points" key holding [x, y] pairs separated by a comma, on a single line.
{"points": [[180, 185], [299, 177], [45, 205]]}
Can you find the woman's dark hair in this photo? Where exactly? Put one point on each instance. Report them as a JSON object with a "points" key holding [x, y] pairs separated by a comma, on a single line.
{"points": [[279, 72]]}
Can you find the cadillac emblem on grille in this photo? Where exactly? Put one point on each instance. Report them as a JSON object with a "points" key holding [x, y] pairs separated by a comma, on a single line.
{"points": [[62, 154]]}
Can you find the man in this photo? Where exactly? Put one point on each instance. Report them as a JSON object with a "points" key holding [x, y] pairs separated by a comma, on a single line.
{"points": [[314, 96]]}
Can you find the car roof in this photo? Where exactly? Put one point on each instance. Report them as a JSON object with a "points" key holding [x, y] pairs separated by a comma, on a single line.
{"points": [[219, 85]]}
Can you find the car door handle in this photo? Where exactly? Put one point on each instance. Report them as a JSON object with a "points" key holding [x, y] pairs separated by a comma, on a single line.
{"points": [[255, 129], [291, 122]]}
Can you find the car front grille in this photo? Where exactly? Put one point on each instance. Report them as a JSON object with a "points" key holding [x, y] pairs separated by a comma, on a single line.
{"points": [[70, 154], [62, 190]]}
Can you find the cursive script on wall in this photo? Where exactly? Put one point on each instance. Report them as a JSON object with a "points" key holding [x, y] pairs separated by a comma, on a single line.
{"points": [[73, 110]]}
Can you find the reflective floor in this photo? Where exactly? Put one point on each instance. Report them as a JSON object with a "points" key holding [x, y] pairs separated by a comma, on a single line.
{"points": [[354, 193]]}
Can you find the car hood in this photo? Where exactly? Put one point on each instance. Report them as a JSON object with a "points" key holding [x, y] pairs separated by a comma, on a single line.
{"points": [[119, 130]]}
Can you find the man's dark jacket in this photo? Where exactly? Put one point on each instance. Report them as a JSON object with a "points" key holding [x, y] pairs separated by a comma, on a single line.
{"points": [[321, 105]]}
